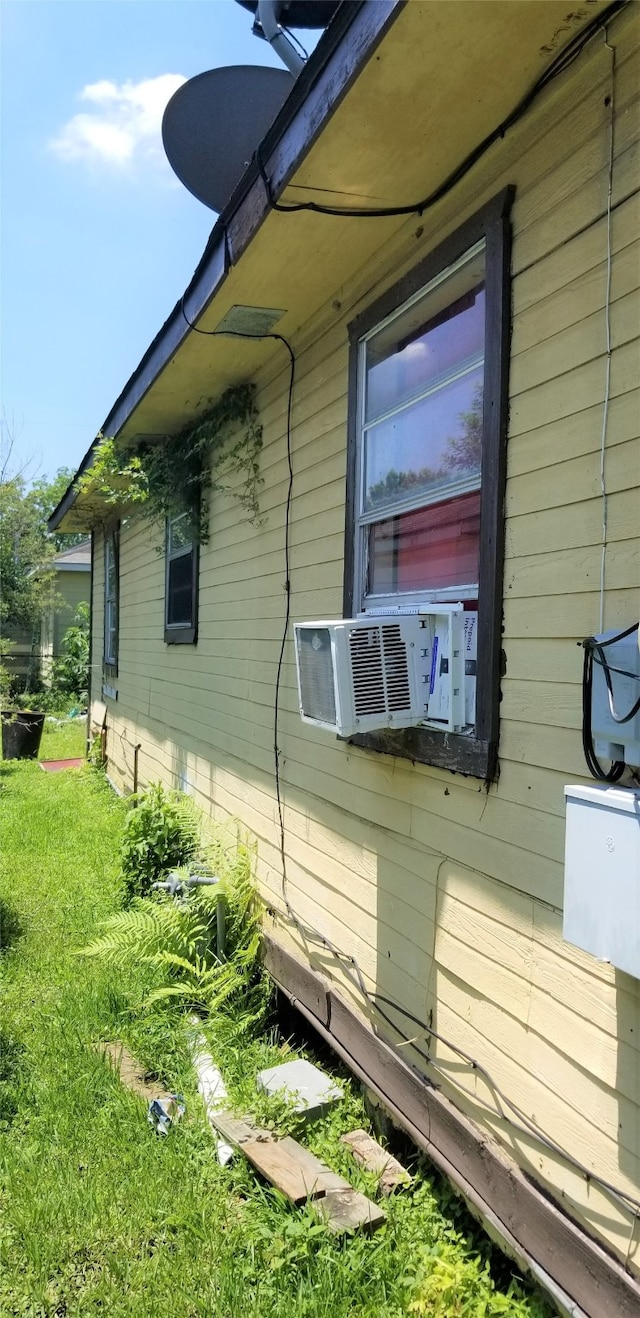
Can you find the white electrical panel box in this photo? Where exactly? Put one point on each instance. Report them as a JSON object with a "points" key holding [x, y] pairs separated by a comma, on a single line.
{"points": [[602, 874]]}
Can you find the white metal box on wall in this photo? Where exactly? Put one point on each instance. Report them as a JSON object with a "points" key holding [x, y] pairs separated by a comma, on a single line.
{"points": [[602, 874]]}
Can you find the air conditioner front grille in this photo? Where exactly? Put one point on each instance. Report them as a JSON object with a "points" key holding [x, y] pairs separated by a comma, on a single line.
{"points": [[379, 670], [367, 673], [315, 664], [396, 669]]}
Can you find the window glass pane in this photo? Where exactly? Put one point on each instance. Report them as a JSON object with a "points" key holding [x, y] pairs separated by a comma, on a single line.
{"points": [[431, 549], [110, 570], [429, 342], [180, 533], [428, 446], [110, 630], [180, 591]]}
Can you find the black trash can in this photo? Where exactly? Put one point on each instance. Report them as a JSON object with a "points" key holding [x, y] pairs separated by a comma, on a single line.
{"points": [[21, 734]]}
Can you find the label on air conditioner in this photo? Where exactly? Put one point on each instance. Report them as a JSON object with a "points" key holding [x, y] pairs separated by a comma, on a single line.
{"points": [[470, 665]]}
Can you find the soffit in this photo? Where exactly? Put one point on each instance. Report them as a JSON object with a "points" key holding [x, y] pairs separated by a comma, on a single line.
{"points": [[446, 73]]}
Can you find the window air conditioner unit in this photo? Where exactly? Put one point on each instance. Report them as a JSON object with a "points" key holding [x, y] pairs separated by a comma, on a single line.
{"points": [[387, 670]]}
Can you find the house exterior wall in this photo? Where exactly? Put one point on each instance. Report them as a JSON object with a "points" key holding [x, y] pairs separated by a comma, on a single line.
{"points": [[449, 896], [72, 589], [23, 660]]}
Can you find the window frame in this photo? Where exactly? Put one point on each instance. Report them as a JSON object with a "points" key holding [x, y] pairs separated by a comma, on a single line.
{"points": [[110, 661], [181, 633], [476, 754]]}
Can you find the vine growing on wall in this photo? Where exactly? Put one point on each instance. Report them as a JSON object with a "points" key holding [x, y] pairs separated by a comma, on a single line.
{"points": [[219, 450]]}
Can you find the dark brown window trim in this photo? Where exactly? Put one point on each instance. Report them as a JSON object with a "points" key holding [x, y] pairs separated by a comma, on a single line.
{"points": [[184, 635], [477, 755]]}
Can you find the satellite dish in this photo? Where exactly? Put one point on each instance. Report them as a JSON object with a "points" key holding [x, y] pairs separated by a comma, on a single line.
{"points": [[299, 13], [214, 122]]}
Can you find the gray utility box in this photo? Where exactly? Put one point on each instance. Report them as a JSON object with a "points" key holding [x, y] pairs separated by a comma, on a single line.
{"points": [[602, 874]]}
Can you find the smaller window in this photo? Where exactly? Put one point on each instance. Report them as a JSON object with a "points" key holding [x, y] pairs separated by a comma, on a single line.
{"points": [[110, 650], [181, 583]]}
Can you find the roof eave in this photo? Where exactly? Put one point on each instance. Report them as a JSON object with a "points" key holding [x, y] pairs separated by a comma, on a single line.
{"points": [[344, 48]]}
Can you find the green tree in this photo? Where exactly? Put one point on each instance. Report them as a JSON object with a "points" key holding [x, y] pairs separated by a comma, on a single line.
{"points": [[46, 496], [25, 554], [26, 546]]}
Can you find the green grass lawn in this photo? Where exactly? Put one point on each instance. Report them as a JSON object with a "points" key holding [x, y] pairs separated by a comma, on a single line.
{"points": [[98, 1215]]}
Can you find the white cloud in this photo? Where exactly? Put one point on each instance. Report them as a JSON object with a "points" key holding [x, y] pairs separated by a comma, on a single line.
{"points": [[122, 124]]}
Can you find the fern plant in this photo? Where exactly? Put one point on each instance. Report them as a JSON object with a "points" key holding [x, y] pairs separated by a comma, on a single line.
{"points": [[179, 939]]}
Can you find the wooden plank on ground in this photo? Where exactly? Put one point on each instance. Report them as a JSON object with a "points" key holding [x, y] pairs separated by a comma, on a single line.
{"points": [[133, 1076], [237, 1130], [374, 1158], [298, 1174], [280, 1166], [347, 1210], [318, 1177]]}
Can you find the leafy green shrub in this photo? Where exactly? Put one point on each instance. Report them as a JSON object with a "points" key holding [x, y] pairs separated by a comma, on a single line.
{"points": [[161, 833]]}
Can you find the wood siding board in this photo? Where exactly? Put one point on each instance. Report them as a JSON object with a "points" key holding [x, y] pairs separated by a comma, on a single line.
{"points": [[575, 435], [570, 571], [584, 341], [576, 390], [572, 526], [580, 303], [576, 260]]}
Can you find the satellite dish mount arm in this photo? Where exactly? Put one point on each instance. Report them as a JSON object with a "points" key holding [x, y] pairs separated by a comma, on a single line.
{"points": [[268, 11]]}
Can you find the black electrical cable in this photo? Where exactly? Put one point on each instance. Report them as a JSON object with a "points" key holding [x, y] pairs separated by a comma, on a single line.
{"points": [[530, 1127], [292, 37], [287, 570], [350, 964], [611, 668], [562, 62], [616, 771], [593, 652], [597, 646]]}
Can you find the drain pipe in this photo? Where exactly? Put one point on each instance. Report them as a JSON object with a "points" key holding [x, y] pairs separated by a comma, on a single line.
{"points": [[268, 11]]}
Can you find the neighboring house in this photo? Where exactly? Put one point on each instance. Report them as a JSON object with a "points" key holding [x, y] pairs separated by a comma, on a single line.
{"points": [[72, 586], [434, 860], [35, 648]]}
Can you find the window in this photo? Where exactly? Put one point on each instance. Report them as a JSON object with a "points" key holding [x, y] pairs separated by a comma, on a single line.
{"points": [[111, 567], [181, 585], [426, 470]]}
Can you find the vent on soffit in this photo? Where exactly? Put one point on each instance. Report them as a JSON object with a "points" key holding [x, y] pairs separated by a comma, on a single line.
{"points": [[252, 321]]}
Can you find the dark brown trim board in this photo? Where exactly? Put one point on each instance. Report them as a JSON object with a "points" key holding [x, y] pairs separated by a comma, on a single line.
{"points": [[514, 1209]]}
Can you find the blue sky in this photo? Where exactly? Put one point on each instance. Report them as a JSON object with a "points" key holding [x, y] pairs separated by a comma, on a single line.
{"points": [[99, 239]]}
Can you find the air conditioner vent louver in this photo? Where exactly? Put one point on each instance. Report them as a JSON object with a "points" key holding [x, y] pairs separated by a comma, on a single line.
{"points": [[367, 671], [379, 670]]}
